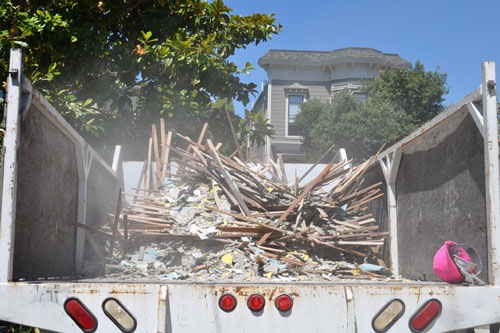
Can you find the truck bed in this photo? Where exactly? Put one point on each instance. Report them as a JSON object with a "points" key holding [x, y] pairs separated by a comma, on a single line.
{"points": [[66, 195]]}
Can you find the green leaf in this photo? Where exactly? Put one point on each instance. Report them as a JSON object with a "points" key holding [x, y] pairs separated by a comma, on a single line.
{"points": [[20, 43], [87, 102], [146, 35], [76, 52]]}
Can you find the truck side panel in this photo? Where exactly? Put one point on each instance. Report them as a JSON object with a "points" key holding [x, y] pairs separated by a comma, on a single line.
{"points": [[439, 190], [441, 196], [46, 202], [61, 183]]}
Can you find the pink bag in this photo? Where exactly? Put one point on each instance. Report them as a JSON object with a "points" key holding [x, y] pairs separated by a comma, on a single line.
{"points": [[445, 266]]}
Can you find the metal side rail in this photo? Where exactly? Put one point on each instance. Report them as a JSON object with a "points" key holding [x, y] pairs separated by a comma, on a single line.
{"points": [[114, 307]]}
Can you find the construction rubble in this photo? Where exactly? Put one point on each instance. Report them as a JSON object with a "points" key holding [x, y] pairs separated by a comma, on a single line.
{"points": [[200, 216]]}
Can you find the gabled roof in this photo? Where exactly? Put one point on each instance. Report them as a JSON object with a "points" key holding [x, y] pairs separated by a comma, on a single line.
{"points": [[325, 58]]}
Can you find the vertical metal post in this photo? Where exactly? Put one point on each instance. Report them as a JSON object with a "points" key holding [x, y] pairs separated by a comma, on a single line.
{"points": [[9, 182], [491, 156], [84, 161], [116, 159], [390, 167], [118, 168]]}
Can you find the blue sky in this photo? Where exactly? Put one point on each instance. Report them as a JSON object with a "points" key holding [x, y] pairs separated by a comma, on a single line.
{"points": [[451, 36]]}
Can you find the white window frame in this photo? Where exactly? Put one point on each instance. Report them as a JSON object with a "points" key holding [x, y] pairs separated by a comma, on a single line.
{"points": [[287, 104]]}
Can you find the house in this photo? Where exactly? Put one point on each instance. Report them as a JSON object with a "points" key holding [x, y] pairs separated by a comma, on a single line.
{"points": [[297, 76]]}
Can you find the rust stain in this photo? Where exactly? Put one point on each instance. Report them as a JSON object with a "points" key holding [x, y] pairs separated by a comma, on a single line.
{"points": [[242, 292], [223, 290], [85, 291], [272, 293]]}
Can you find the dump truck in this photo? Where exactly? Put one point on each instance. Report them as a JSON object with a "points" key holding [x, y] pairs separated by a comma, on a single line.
{"points": [[441, 183]]}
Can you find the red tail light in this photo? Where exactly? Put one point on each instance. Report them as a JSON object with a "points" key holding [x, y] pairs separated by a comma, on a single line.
{"points": [[425, 315], [80, 315], [227, 302], [283, 302], [256, 302]]}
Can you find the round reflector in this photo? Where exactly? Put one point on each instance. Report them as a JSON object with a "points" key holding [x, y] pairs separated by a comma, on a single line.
{"points": [[388, 315], [283, 302], [80, 315], [227, 302], [119, 315], [425, 315], [256, 302]]}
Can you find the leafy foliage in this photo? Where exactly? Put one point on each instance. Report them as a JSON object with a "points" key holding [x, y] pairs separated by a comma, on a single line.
{"points": [[104, 64], [399, 101], [259, 129], [417, 92]]}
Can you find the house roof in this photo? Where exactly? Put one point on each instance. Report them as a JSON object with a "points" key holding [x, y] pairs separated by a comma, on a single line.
{"points": [[325, 58]]}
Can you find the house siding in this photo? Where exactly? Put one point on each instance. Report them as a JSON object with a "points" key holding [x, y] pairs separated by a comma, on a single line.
{"points": [[315, 90], [351, 71]]}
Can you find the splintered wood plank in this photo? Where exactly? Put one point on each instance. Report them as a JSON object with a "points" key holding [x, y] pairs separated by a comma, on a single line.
{"points": [[164, 149], [248, 219], [240, 154], [292, 206], [138, 219], [305, 192], [364, 202], [166, 161], [125, 226], [315, 164], [229, 180], [282, 168], [141, 177], [157, 178], [148, 167], [333, 246], [264, 238]]}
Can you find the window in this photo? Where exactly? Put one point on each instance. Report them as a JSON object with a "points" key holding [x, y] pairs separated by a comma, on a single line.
{"points": [[294, 102], [360, 96]]}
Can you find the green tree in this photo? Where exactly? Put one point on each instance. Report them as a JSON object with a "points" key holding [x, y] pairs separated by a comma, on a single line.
{"points": [[360, 128], [114, 67], [398, 102], [369, 126], [419, 93], [317, 121]]}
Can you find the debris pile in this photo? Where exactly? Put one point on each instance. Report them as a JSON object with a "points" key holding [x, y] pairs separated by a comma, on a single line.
{"points": [[201, 215]]}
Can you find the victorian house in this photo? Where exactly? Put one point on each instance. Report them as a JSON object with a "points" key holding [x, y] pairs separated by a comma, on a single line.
{"points": [[297, 76]]}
